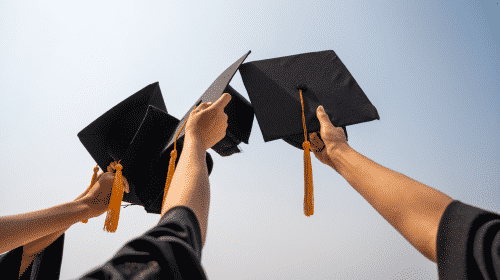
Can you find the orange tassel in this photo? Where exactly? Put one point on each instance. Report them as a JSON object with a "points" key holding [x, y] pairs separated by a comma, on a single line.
{"points": [[113, 215], [308, 180], [171, 164], [92, 182], [170, 174]]}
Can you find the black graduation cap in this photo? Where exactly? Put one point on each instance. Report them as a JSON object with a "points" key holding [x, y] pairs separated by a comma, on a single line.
{"points": [[275, 87], [239, 111], [135, 131]]}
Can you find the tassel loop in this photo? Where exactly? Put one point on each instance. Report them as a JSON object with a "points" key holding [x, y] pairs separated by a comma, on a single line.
{"points": [[306, 145], [113, 214]]}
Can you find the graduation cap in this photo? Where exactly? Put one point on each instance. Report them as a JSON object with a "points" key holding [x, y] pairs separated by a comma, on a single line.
{"points": [[240, 118], [286, 91], [239, 111], [141, 135]]}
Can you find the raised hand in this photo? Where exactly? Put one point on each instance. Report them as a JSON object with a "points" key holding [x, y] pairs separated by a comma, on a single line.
{"points": [[97, 198], [207, 123], [333, 139]]}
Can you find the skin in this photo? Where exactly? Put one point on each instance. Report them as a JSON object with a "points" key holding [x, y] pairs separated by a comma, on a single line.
{"points": [[412, 208], [51, 223], [190, 186]]}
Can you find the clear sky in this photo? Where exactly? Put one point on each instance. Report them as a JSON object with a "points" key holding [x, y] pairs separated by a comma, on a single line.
{"points": [[431, 68]]}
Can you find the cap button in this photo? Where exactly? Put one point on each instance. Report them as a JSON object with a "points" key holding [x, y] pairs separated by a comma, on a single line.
{"points": [[302, 87]]}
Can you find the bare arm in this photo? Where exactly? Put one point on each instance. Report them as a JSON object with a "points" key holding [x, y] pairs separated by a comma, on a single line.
{"points": [[18, 230], [38, 245], [38, 229], [412, 208], [190, 186], [31, 249]]}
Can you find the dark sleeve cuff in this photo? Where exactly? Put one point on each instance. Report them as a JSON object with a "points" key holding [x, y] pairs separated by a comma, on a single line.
{"points": [[170, 250], [185, 220], [10, 263], [468, 243], [46, 265]]}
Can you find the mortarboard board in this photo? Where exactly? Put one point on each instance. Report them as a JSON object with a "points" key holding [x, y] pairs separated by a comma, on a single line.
{"points": [[239, 111], [135, 131], [277, 86]]}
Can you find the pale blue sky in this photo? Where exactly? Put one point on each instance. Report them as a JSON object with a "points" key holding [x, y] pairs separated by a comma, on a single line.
{"points": [[431, 69]]}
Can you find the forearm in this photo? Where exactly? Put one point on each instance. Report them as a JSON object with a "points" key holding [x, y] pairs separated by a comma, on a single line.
{"points": [[19, 230], [39, 244], [413, 208], [30, 250], [190, 186]]}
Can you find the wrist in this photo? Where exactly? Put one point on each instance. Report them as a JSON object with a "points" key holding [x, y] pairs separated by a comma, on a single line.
{"points": [[338, 155], [86, 211], [192, 142]]}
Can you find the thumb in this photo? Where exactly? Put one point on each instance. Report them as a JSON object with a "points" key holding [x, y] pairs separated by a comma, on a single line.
{"points": [[323, 118], [326, 124]]}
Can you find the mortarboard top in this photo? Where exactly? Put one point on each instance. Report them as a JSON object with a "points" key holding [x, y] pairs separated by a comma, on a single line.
{"points": [[277, 86], [240, 118], [135, 131], [273, 87], [239, 111]]}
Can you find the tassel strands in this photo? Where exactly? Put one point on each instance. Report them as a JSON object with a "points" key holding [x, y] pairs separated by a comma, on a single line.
{"points": [[113, 214], [308, 181], [170, 174]]}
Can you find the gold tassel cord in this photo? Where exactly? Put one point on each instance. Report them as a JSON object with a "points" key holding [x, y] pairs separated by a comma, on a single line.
{"points": [[92, 182], [113, 214], [171, 164], [308, 181]]}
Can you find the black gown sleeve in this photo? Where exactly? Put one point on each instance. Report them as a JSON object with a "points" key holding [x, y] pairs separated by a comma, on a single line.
{"points": [[46, 265], [170, 250], [468, 243]]}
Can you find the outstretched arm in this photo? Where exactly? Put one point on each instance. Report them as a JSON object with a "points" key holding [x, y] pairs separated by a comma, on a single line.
{"points": [[31, 249], [190, 186], [42, 227], [18, 230], [412, 208], [34, 247]]}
